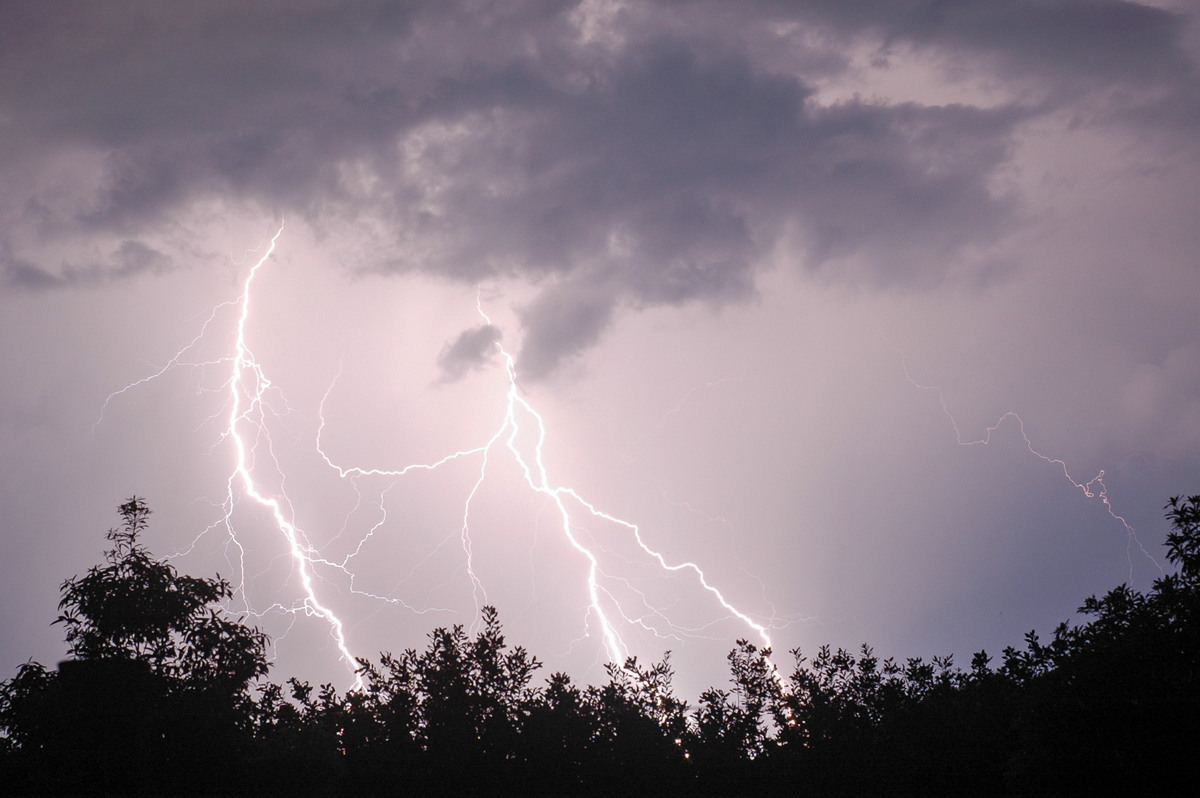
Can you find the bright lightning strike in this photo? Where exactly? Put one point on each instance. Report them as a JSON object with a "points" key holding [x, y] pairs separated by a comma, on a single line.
{"points": [[517, 412], [521, 436], [521, 433], [247, 386]]}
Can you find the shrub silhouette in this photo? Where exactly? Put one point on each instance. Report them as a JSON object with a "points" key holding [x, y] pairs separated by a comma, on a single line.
{"points": [[161, 697], [159, 684]]}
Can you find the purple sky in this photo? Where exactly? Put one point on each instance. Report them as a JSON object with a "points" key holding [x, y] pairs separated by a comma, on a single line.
{"points": [[766, 269]]}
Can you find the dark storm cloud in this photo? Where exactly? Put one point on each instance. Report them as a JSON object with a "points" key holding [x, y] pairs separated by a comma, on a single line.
{"points": [[1100, 41], [658, 150], [1109, 60], [472, 349], [129, 259], [566, 319], [23, 275]]}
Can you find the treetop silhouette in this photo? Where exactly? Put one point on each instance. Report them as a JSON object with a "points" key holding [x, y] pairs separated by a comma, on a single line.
{"points": [[136, 607], [160, 698]]}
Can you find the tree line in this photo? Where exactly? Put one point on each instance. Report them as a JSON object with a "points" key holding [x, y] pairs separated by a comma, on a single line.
{"points": [[166, 692]]}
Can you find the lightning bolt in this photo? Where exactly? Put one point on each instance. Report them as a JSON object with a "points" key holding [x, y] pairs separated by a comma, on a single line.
{"points": [[567, 502], [176, 361], [521, 434], [246, 389], [1093, 488], [248, 384]]}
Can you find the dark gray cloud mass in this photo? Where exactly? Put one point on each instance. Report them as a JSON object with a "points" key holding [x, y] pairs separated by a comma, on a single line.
{"points": [[472, 349], [654, 149]]}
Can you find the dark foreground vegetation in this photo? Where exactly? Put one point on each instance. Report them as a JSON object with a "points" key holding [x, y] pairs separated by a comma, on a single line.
{"points": [[166, 694]]}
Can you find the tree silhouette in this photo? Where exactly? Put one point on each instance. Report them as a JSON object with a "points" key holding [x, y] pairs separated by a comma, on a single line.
{"points": [[1111, 704], [135, 607], [159, 683], [159, 699]]}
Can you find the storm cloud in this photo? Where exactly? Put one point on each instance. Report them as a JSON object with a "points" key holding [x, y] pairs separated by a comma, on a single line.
{"points": [[472, 349], [656, 148]]}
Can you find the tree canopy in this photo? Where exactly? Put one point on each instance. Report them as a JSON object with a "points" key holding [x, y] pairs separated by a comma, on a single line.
{"points": [[138, 608], [166, 692], [159, 673]]}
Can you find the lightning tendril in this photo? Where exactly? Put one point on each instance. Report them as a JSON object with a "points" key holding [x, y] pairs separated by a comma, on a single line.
{"points": [[521, 433]]}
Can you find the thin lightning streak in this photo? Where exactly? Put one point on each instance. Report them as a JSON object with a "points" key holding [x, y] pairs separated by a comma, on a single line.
{"points": [[478, 592], [170, 365], [1093, 488], [676, 409], [344, 565]]}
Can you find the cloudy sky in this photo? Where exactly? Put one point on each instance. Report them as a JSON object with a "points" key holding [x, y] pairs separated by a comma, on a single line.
{"points": [[881, 314]]}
